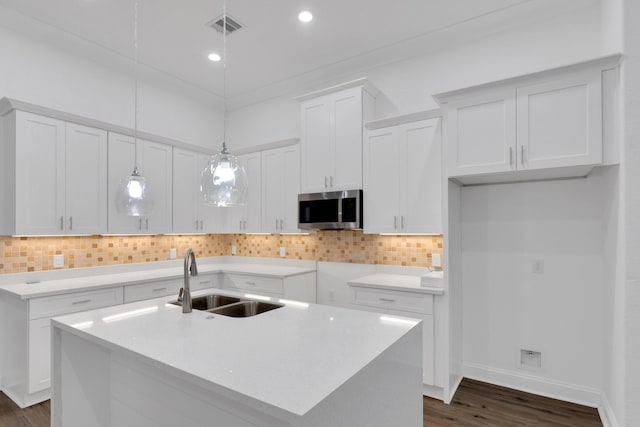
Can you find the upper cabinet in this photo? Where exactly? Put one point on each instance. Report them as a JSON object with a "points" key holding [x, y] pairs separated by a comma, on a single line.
{"points": [[546, 125], [155, 164], [56, 178], [403, 178], [247, 218], [332, 127], [280, 188]]}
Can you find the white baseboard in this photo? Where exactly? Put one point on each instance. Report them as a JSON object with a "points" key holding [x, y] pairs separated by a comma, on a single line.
{"points": [[433, 391], [453, 389], [607, 416], [26, 400], [532, 384]]}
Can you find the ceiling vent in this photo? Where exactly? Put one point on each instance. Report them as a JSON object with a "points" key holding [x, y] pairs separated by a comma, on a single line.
{"points": [[217, 24]]}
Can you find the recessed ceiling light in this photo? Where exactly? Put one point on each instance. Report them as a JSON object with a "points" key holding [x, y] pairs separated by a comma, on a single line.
{"points": [[214, 57], [305, 16]]}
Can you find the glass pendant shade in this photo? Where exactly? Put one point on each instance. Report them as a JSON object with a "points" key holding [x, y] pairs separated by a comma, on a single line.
{"points": [[133, 197], [224, 181]]}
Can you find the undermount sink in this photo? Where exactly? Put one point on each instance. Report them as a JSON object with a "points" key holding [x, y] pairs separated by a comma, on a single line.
{"points": [[245, 308], [229, 306], [207, 302]]}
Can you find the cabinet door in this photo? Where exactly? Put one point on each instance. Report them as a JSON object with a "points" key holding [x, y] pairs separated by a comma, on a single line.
{"points": [[317, 151], [381, 181], [86, 180], [157, 168], [421, 177], [121, 161], [213, 217], [560, 122], [482, 134], [253, 206], [272, 181], [347, 143], [39, 355], [290, 188], [185, 192], [40, 174]]}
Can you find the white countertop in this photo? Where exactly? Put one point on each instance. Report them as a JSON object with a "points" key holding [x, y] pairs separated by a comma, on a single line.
{"points": [[25, 290], [291, 358], [400, 282]]}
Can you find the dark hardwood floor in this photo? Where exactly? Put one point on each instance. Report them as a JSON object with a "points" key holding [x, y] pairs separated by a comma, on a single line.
{"points": [[475, 404]]}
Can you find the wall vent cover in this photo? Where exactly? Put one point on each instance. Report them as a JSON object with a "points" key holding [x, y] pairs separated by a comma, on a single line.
{"points": [[217, 24]]}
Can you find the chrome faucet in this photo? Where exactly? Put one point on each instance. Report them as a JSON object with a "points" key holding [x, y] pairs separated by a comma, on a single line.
{"points": [[189, 270]]}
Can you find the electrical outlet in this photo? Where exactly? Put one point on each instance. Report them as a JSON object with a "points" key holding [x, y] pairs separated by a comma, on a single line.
{"points": [[435, 260], [173, 253], [234, 249], [58, 261], [530, 359], [283, 251], [538, 266]]}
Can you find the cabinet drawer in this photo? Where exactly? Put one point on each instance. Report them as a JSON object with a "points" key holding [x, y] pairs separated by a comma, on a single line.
{"points": [[151, 290], [204, 281], [256, 284], [71, 303], [412, 302]]}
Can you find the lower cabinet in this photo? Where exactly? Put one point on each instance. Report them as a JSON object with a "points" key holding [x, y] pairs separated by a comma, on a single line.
{"points": [[301, 287], [403, 303], [165, 287]]}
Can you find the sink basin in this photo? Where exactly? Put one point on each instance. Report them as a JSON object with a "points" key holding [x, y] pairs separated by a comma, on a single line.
{"points": [[207, 302], [245, 308]]}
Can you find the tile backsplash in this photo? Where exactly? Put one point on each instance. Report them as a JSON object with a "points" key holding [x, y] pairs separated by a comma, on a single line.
{"points": [[23, 254]]}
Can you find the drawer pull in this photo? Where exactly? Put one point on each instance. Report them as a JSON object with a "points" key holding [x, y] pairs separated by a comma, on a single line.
{"points": [[84, 301], [250, 283], [387, 300], [159, 289]]}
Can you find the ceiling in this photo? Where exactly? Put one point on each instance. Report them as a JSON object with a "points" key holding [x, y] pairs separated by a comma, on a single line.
{"points": [[273, 51]]}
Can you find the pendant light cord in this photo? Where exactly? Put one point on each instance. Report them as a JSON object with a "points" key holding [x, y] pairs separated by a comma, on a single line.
{"points": [[224, 75], [135, 100]]}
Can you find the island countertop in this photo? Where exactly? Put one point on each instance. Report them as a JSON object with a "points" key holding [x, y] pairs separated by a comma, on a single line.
{"points": [[291, 358]]}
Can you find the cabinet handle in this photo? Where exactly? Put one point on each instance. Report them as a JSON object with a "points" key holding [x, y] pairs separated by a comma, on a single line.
{"points": [[510, 156], [61, 223], [401, 221], [196, 224], [70, 223], [522, 154], [159, 289], [140, 224], [281, 224], [201, 225], [387, 300], [84, 301], [330, 182], [147, 223], [325, 182], [240, 224], [276, 224], [395, 222], [250, 283], [244, 224]]}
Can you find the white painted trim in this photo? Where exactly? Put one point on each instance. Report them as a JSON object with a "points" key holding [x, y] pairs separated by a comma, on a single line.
{"points": [[453, 389], [607, 416], [601, 62], [26, 400], [404, 118], [8, 104], [533, 384], [433, 391], [268, 146], [363, 82]]}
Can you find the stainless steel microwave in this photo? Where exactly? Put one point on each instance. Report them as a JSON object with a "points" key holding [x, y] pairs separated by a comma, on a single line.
{"points": [[334, 210]]}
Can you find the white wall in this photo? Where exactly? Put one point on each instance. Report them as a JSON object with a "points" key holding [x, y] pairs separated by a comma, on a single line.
{"points": [[507, 307], [407, 86], [50, 76]]}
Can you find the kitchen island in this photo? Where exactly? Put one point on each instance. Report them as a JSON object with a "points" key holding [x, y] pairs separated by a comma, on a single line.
{"points": [[148, 364]]}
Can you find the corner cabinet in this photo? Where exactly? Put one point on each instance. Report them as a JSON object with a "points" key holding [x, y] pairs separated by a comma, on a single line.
{"points": [[545, 125], [155, 164], [331, 145], [403, 178], [280, 188], [56, 180]]}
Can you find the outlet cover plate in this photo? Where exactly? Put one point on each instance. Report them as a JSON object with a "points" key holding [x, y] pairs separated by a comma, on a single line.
{"points": [[58, 261]]}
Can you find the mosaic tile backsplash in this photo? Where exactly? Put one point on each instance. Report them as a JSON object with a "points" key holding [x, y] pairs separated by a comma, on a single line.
{"points": [[23, 254]]}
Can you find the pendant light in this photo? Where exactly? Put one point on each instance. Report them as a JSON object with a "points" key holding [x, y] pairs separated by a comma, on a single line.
{"points": [[224, 180], [133, 197]]}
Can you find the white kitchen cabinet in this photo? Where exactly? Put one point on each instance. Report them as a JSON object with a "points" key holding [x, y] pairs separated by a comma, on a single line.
{"points": [[155, 164], [406, 304], [403, 178], [547, 125], [280, 188], [331, 145], [301, 287], [168, 287], [57, 176], [190, 214], [247, 218]]}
